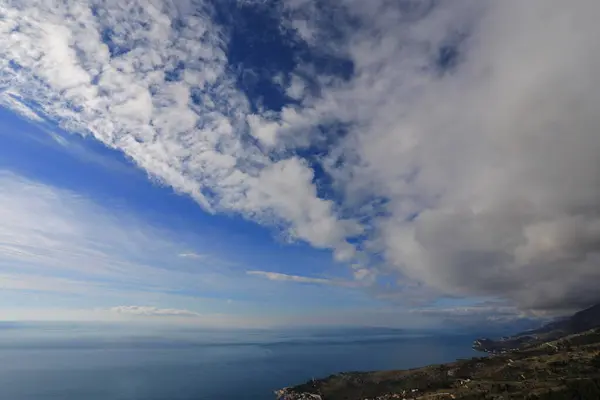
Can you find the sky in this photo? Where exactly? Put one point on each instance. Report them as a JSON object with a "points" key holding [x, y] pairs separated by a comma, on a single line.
{"points": [[252, 163]]}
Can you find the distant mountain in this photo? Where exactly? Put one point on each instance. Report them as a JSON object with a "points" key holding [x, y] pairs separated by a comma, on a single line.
{"points": [[579, 322], [560, 360]]}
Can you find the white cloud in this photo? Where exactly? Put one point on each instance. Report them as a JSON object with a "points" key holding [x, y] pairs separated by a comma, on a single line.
{"points": [[189, 134], [483, 316], [285, 188], [487, 165], [65, 254], [11, 102], [296, 88], [276, 276], [56, 241], [144, 320], [263, 130], [41, 283], [193, 255], [147, 311]]}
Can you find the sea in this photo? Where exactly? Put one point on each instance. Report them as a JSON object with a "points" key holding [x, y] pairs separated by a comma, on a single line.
{"points": [[105, 363]]}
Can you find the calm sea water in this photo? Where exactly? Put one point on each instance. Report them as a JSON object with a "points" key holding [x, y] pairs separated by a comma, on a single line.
{"points": [[201, 365]]}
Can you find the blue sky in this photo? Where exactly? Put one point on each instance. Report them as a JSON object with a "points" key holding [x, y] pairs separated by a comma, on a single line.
{"points": [[257, 163], [174, 255]]}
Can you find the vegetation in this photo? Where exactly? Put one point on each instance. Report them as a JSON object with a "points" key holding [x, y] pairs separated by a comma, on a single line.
{"points": [[565, 368]]}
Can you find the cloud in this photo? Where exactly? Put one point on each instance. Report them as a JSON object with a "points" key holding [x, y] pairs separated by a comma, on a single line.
{"points": [[61, 253], [483, 316], [473, 123], [276, 276], [147, 311], [57, 241], [192, 255], [468, 161], [9, 101], [151, 79]]}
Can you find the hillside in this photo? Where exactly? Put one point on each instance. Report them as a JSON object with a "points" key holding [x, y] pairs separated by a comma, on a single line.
{"points": [[579, 322], [558, 361]]}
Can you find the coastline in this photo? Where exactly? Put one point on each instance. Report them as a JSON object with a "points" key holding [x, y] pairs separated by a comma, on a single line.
{"points": [[565, 368]]}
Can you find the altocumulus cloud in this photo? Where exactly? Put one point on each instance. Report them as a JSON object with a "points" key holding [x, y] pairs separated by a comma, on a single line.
{"points": [[106, 69], [469, 160]]}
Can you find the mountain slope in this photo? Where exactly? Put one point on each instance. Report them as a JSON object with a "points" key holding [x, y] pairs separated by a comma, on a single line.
{"points": [[577, 323], [560, 360], [568, 368]]}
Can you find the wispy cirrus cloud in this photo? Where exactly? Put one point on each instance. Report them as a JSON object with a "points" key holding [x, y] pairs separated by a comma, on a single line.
{"points": [[64, 256], [57, 241], [8, 100], [276, 276]]}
